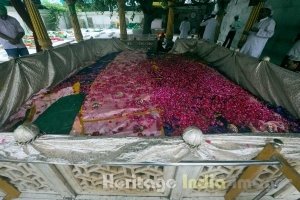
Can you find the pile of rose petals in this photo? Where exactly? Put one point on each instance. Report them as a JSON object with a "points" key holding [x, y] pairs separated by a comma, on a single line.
{"points": [[139, 96], [119, 100], [191, 93], [136, 96]]}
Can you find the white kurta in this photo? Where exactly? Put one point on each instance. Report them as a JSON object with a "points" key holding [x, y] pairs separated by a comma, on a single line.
{"points": [[10, 27], [184, 29], [256, 41], [294, 52], [210, 29]]}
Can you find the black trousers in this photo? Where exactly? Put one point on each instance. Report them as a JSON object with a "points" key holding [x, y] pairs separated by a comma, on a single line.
{"points": [[229, 39]]}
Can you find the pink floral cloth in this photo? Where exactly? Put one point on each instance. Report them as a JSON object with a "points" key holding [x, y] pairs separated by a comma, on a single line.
{"points": [[119, 100]]}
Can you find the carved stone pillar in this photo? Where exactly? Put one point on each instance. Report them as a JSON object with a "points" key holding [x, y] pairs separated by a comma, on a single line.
{"points": [[74, 20], [170, 24], [38, 25]]}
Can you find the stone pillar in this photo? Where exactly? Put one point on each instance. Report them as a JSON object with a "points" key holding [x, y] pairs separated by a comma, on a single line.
{"points": [[170, 23], [74, 20], [123, 30], [38, 25], [220, 17]]}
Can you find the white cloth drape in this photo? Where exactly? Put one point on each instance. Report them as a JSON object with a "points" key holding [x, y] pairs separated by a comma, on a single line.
{"points": [[294, 52]]}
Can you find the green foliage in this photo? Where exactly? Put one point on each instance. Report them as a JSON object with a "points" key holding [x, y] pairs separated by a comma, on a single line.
{"points": [[134, 26], [164, 4], [106, 5], [96, 5], [55, 10], [133, 5]]}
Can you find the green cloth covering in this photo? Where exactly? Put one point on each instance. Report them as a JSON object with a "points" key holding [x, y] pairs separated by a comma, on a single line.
{"points": [[60, 116]]}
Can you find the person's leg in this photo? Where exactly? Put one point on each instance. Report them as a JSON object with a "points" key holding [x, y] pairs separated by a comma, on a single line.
{"points": [[23, 52], [12, 53], [231, 36], [226, 40]]}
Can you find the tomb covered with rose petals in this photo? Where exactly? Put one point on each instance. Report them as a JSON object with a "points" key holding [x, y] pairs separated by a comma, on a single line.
{"points": [[132, 93], [140, 102]]}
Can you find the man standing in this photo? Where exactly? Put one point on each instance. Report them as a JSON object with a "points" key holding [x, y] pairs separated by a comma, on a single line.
{"points": [[11, 34], [184, 28], [259, 34], [233, 28], [292, 59], [295, 50], [210, 28]]}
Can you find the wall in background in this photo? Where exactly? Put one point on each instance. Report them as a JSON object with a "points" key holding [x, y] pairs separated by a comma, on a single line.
{"points": [[287, 16], [104, 20], [86, 19]]}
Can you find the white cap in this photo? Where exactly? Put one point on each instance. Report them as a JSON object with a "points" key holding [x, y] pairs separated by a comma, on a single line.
{"points": [[266, 58], [214, 12], [295, 58], [267, 5]]}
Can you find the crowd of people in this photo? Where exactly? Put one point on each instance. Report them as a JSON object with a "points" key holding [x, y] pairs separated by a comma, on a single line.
{"points": [[11, 34], [257, 36]]}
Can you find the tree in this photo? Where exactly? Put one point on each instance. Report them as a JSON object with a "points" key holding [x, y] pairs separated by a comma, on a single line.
{"points": [[111, 5], [147, 8], [96, 5], [55, 11]]}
